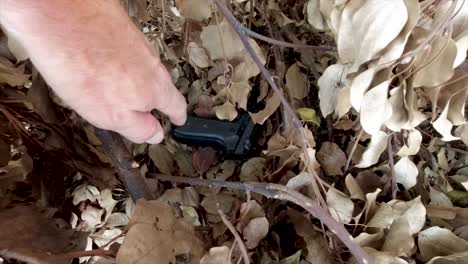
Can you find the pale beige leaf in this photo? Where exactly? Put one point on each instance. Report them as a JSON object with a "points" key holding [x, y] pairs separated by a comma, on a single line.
{"points": [[340, 207], [355, 191], [459, 19], [272, 103], [255, 231], [376, 24], [217, 255], [297, 83], [331, 158], [436, 70], [301, 180], [383, 217], [226, 111], [197, 55], [395, 49], [399, 240], [372, 154], [406, 172], [400, 116], [92, 216], [359, 85], [413, 144], [221, 41], [371, 204], [343, 102], [414, 211], [375, 109], [457, 258], [247, 68], [439, 198], [461, 41], [462, 132], [314, 17], [373, 240], [238, 93], [330, 83], [195, 9], [456, 111], [344, 38], [85, 192], [436, 241], [444, 126], [382, 257]]}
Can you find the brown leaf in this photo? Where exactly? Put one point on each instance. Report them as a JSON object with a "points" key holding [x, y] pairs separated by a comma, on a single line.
{"points": [[252, 170], [153, 223], [162, 158], [203, 159], [184, 162], [436, 241], [226, 111], [272, 103], [331, 158], [12, 75], [255, 231], [296, 81], [194, 9]]}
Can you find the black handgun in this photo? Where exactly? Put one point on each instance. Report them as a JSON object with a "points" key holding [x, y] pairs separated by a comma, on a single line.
{"points": [[237, 139]]}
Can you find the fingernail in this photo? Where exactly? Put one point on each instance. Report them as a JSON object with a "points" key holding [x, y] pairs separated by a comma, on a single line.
{"points": [[157, 138]]}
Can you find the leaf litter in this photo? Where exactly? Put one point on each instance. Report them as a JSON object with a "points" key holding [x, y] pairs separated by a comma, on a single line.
{"points": [[382, 101]]}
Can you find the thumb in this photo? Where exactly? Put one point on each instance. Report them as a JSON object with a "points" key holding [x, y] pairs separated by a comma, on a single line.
{"points": [[141, 127]]}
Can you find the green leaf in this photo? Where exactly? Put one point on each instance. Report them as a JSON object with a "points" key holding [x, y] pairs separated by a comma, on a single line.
{"points": [[308, 115], [293, 259]]}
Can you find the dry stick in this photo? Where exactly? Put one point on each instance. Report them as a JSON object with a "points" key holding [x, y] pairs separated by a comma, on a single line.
{"points": [[236, 235], [280, 192], [391, 164], [241, 31]]}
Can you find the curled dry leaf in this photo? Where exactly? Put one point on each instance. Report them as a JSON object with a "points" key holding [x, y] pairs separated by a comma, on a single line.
{"points": [[413, 143], [355, 191], [376, 23], [296, 82], [247, 68], [255, 231], [372, 154], [238, 93], [444, 126], [314, 17], [399, 240], [195, 9], [359, 85], [197, 55], [436, 241], [226, 111], [461, 41], [330, 83], [375, 109], [406, 172], [331, 158], [341, 207], [217, 255], [272, 103]]}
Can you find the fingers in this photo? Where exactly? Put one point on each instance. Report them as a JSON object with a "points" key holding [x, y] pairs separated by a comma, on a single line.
{"points": [[140, 127], [168, 99]]}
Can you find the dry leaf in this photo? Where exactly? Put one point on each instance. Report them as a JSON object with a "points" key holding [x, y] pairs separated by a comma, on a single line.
{"points": [[247, 68], [345, 35], [272, 103], [399, 240], [197, 55], [301, 180], [414, 211], [153, 223], [255, 231], [331, 158], [317, 247], [238, 93], [413, 143], [372, 154], [226, 111], [461, 41], [376, 23], [203, 159], [435, 71], [314, 17], [436, 241], [444, 126], [162, 158], [359, 85], [406, 172], [382, 218], [457, 258], [12, 75], [217, 255], [296, 82], [252, 170], [248, 211], [370, 240], [221, 41], [355, 191], [330, 83], [195, 9], [341, 207], [375, 109]]}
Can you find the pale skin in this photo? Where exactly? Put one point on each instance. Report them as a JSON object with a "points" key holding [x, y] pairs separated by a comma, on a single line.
{"points": [[95, 59]]}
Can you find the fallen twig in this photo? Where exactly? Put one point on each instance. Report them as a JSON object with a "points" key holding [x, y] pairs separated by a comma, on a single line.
{"points": [[391, 164], [281, 192]]}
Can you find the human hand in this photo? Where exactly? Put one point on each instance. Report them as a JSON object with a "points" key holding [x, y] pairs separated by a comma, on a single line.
{"points": [[97, 61]]}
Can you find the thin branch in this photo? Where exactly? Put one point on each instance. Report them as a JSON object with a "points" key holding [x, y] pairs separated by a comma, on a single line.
{"points": [[391, 164], [281, 192], [238, 239], [350, 156]]}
